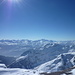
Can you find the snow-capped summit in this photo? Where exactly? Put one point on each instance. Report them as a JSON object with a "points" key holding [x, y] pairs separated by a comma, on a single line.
{"points": [[42, 55], [62, 62], [17, 47], [33, 57]]}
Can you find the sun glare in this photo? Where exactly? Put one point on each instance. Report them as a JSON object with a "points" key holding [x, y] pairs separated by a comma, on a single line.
{"points": [[12, 1], [15, 1]]}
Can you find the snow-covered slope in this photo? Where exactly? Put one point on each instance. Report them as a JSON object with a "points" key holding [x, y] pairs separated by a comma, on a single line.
{"points": [[17, 71], [33, 57], [73, 72], [62, 62], [2, 66], [58, 65], [41, 55]]}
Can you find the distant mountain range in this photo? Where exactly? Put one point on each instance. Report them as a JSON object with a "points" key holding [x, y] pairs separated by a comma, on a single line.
{"points": [[40, 55], [17, 47]]}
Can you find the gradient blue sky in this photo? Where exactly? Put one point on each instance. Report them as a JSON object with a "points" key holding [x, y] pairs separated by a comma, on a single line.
{"points": [[38, 19]]}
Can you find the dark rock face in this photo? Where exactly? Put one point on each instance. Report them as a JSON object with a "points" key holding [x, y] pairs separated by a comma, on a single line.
{"points": [[6, 60]]}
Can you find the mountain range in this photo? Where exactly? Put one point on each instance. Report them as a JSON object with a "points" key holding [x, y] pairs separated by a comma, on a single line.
{"points": [[40, 56]]}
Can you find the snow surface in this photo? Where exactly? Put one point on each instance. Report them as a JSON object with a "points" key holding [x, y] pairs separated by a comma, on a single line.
{"points": [[2, 66], [73, 71], [62, 62], [35, 57], [58, 64], [17, 71], [21, 58], [39, 55]]}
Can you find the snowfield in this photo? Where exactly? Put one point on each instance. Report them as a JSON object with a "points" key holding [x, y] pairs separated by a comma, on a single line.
{"points": [[73, 71], [17, 71], [2, 66], [60, 63]]}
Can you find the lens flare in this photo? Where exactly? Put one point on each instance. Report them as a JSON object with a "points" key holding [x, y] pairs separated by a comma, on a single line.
{"points": [[10, 1], [15, 1]]}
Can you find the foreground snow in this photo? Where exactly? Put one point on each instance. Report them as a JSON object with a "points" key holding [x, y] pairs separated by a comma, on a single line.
{"points": [[73, 71], [62, 62], [2, 66], [17, 71]]}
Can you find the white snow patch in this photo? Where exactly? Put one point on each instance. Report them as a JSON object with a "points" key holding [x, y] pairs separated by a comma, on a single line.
{"points": [[73, 71], [17, 71], [2, 66], [21, 58]]}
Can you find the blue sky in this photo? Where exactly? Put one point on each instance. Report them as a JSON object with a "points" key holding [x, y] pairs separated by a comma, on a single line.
{"points": [[38, 19]]}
